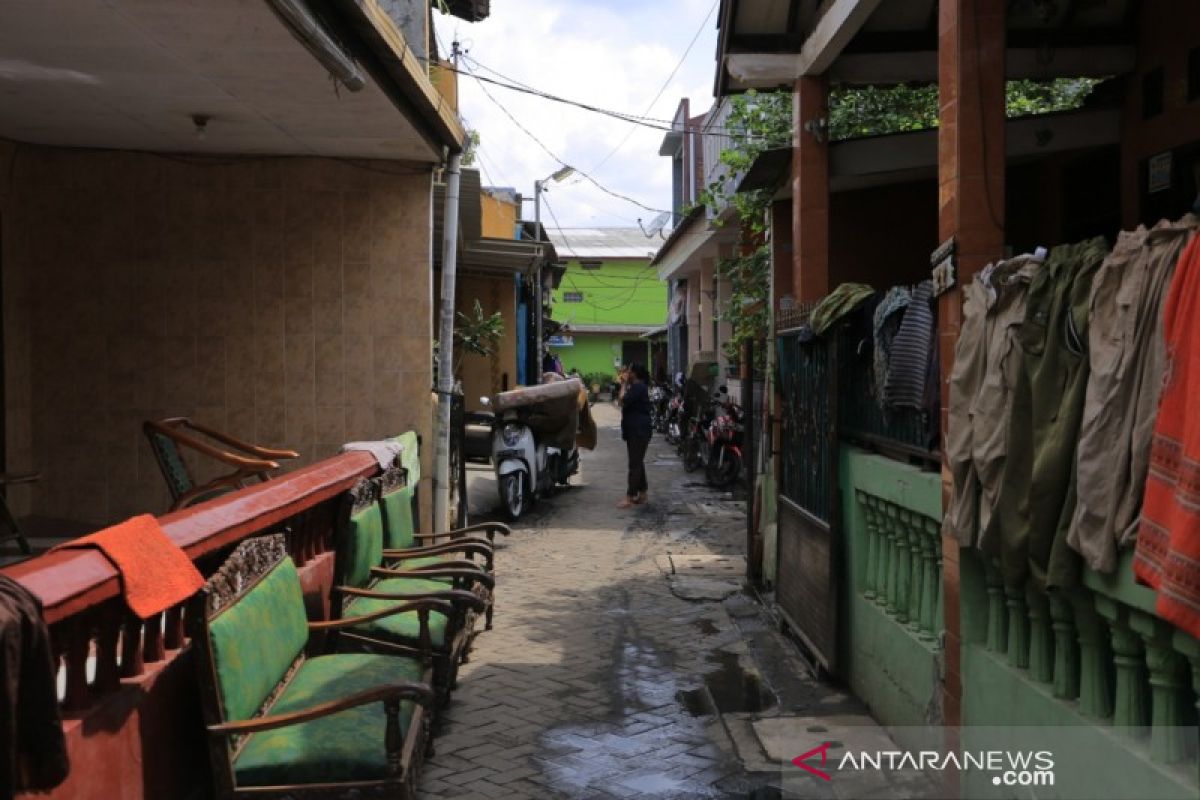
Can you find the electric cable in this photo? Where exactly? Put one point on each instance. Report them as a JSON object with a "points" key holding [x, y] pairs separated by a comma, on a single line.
{"points": [[551, 153], [664, 86]]}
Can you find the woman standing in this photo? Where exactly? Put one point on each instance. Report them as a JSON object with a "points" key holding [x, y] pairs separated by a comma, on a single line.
{"points": [[635, 430]]}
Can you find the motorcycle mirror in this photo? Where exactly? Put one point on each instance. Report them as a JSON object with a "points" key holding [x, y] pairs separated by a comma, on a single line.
{"points": [[722, 389], [485, 401]]}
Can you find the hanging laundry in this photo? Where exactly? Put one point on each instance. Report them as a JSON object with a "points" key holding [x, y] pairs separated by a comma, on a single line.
{"points": [[1126, 358], [908, 366], [981, 389], [1028, 527], [837, 304], [1167, 556], [887, 318]]}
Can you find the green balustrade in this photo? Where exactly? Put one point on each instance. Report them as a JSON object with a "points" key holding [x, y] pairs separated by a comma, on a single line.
{"points": [[1041, 636], [1018, 626], [893, 556], [931, 578], [1095, 685], [1066, 651], [866, 503], [903, 564], [1169, 738], [1130, 709], [997, 629], [916, 578]]}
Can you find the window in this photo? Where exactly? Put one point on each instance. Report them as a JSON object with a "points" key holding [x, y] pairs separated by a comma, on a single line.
{"points": [[572, 297], [1152, 93], [590, 264]]}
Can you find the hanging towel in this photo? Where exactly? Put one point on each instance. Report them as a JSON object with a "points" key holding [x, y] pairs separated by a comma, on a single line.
{"points": [[410, 458], [886, 324], [1168, 541], [33, 751], [155, 572], [837, 304], [908, 366], [386, 451]]}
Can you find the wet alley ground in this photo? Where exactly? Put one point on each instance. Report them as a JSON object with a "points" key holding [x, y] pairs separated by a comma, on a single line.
{"points": [[599, 679]]}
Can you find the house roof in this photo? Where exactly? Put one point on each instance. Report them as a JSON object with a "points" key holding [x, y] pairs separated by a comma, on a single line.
{"points": [[601, 243]]}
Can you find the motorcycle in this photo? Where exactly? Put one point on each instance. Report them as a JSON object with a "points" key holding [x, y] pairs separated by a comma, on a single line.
{"points": [[724, 462], [694, 448], [675, 419], [533, 442], [658, 407]]}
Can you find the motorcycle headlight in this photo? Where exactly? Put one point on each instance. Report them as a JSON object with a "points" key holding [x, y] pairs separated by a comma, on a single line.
{"points": [[511, 434]]}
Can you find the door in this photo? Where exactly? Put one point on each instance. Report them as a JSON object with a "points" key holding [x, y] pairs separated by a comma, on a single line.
{"points": [[806, 582], [635, 351]]}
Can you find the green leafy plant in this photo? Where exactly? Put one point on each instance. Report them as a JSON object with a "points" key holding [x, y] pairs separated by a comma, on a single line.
{"points": [[476, 333]]}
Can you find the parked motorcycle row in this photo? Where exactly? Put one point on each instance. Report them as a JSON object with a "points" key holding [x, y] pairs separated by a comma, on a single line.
{"points": [[706, 429]]}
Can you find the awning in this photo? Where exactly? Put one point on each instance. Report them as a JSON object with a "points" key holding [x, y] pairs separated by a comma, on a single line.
{"points": [[654, 333]]}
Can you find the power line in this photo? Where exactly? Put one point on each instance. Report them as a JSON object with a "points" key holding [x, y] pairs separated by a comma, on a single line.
{"points": [[662, 88], [665, 125], [551, 153]]}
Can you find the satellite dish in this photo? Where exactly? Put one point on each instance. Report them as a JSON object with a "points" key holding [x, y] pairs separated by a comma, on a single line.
{"points": [[656, 224]]}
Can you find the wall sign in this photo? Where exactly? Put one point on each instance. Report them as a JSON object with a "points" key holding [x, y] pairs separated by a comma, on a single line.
{"points": [[561, 341], [1158, 172], [572, 297], [942, 262]]}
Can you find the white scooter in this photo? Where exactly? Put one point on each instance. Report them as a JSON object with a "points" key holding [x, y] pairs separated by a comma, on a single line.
{"points": [[526, 468]]}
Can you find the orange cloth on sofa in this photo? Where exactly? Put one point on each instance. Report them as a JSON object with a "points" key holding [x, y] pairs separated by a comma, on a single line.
{"points": [[155, 572], [1168, 541]]}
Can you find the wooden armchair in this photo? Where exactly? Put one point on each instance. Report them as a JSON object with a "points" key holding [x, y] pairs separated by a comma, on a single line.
{"points": [[364, 584], [167, 436], [283, 725], [406, 549]]}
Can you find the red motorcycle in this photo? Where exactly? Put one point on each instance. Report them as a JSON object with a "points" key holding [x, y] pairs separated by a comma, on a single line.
{"points": [[724, 463]]}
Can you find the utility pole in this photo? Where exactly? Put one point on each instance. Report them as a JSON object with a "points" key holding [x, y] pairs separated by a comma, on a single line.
{"points": [[445, 388]]}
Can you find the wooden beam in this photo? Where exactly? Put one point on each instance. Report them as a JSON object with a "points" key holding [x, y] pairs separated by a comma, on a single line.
{"points": [[1021, 62], [763, 70]]}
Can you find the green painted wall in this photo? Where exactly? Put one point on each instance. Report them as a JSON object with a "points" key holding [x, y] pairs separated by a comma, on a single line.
{"points": [[618, 293], [592, 352], [887, 665]]}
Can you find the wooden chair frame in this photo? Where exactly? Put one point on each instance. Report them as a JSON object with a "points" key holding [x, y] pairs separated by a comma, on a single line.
{"points": [[249, 563], [252, 462]]}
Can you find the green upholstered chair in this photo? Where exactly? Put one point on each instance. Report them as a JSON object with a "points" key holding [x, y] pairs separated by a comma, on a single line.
{"points": [[363, 583], [406, 549], [281, 724]]}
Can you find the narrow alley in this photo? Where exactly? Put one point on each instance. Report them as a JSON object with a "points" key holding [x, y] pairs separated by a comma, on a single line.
{"points": [[627, 660]]}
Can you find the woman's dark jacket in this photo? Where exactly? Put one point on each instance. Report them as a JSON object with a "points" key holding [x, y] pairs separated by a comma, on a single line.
{"points": [[635, 412]]}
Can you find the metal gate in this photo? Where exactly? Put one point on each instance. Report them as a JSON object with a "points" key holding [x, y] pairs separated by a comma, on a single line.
{"points": [[806, 583]]}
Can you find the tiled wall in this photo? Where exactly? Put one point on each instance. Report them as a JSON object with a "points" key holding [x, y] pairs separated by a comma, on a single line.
{"points": [[285, 300]]}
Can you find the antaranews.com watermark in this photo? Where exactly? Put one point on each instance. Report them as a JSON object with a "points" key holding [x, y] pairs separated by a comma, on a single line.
{"points": [[991, 762]]}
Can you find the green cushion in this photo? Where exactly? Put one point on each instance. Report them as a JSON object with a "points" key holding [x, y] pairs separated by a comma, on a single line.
{"points": [[345, 746], [255, 640], [402, 628], [411, 457], [362, 546], [398, 518], [423, 561]]}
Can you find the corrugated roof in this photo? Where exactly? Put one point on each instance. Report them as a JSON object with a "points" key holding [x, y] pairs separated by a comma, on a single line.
{"points": [[591, 243]]}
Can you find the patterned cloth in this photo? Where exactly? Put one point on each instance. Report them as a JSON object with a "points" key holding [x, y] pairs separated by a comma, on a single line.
{"points": [[1168, 543], [837, 304], [886, 324], [908, 365]]}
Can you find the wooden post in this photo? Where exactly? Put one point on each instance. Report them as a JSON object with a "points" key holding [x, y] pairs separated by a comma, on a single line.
{"points": [[971, 42], [810, 191]]}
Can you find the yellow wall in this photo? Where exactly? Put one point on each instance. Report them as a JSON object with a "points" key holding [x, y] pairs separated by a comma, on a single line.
{"points": [[499, 217], [484, 376]]}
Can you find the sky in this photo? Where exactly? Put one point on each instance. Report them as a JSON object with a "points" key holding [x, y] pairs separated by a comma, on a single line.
{"points": [[614, 54]]}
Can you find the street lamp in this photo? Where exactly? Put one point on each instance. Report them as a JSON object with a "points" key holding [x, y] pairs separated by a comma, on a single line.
{"points": [[559, 175]]}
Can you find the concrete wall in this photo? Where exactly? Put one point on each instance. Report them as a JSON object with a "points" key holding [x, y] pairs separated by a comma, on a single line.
{"points": [[592, 353], [287, 301], [485, 376], [889, 666]]}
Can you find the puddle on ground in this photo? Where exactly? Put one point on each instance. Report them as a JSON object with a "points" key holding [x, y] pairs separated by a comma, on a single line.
{"points": [[729, 689]]}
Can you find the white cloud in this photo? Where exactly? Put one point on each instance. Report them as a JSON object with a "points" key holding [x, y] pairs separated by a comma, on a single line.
{"points": [[614, 55]]}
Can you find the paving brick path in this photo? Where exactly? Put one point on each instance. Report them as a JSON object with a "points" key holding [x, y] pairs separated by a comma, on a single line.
{"points": [[580, 691]]}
